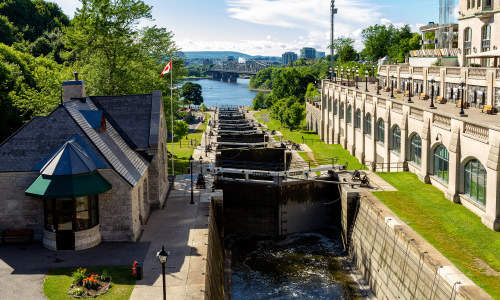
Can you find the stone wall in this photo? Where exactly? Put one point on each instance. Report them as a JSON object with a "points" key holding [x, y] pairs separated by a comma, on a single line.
{"points": [[86, 239], [394, 260], [215, 257], [18, 211], [313, 117]]}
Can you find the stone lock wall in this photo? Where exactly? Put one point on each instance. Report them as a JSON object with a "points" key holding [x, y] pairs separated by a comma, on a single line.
{"points": [[215, 256], [395, 261]]}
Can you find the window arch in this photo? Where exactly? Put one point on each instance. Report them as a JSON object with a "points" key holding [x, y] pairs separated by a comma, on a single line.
{"points": [[341, 109], [368, 124], [441, 161], [380, 131], [357, 119], [396, 139], [475, 181], [349, 114], [416, 149]]}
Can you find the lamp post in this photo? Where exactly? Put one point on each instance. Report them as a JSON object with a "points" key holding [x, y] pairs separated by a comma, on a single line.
{"points": [[392, 86], [348, 77], [409, 90], [366, 81], [432, 94], [336, 73], [341, 76], [191, 171], [357, 78], [462, 86], [378, 86], [162, 257], [330, 71]]}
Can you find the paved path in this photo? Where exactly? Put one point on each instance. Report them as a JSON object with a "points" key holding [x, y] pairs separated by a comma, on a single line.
{"points": [[183, 229]]}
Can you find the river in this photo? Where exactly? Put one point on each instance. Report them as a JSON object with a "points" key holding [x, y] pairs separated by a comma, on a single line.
{"points": [[218, 93]]}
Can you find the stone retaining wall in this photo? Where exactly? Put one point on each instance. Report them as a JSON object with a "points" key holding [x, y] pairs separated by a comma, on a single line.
{"points": [[215, 256], [395, 261]]}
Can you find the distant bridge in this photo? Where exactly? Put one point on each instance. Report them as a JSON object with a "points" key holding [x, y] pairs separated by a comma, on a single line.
{"points": [[231, 70]]}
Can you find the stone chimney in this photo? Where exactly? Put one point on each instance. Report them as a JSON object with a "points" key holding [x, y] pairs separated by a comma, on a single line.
{"points": [[73, 89]]}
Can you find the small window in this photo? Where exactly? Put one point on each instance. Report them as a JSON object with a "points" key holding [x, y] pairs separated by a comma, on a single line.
{"points": [[341, 114], [396, 139], [349, 114], [368, 124], [357, 119], [475, 181], [441, 158], [416, 149]]}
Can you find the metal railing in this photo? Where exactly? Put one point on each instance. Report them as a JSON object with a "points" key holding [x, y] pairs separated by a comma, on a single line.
{"points": [[387, 167]]}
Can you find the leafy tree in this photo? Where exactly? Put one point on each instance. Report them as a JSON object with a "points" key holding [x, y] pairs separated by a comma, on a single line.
{"points": [[347, 53], [377, 39], [259, 101], [7, 31], [203, 107], [294, 115], [312, 92], [181, 129], [192, 93], [341, 43]]}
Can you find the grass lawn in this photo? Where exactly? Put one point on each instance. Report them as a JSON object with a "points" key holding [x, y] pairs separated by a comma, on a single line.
{"points": [[319, 148], [184, 150], [455, 231], [58, 281]]}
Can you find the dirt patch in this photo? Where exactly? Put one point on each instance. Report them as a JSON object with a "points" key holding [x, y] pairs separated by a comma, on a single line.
{"points": [[486, 269]]}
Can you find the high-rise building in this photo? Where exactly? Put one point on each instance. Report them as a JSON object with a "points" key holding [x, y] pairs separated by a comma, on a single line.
{"points": [[308, 53], [288, 57], [320, 54]]}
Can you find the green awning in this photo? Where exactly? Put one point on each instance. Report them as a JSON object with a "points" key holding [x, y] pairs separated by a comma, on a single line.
{"points": [[69, 186]]}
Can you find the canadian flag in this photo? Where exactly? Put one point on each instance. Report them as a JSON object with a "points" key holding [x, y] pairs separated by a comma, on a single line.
{"points": [[167, 69]]}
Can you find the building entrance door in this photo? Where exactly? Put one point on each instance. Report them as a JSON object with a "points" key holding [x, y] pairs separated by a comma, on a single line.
{"points": [[65, 236]]}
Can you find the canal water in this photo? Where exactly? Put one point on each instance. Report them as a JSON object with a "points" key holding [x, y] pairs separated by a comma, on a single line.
{"points": [[218, 93], [302, 266]]}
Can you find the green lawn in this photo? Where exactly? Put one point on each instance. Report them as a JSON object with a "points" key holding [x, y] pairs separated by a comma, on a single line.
{"points": [[58, 281], [183, 149], [319, 148], [455, 231]]}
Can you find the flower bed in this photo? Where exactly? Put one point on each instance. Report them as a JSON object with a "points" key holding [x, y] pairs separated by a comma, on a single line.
{"points": [[89, 285]]}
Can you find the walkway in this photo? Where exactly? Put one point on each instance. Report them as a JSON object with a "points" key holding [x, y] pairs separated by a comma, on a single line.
{"points": [[183, 229]]}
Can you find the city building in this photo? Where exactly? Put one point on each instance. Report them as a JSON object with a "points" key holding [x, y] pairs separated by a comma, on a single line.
{"points": [[308, 53], [88, 172], [289, 57], [479, 26], [320, 54]]}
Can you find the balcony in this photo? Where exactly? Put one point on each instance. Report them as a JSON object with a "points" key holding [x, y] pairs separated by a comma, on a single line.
{"points": [[485, 44]]}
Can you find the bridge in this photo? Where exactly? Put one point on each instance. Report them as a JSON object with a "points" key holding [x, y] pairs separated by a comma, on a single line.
{"points": [[231, 70]]}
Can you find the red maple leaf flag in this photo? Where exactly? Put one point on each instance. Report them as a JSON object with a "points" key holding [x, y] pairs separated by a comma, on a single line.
{"points": [[167, 69]]}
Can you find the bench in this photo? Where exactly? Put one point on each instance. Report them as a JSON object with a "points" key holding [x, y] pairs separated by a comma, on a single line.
{"points": [[423, 96], [440, 100], [407, 93], [487, 109], [21, 236]]}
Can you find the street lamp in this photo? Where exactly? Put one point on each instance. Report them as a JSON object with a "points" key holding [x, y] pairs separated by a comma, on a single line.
{"points": [[462, 86], [409, 90], [191, 171], [341, 76], [357, 78], [330, 70], [432, 94], [366, 81], [392, 86], [162, 257], [348, 77]]}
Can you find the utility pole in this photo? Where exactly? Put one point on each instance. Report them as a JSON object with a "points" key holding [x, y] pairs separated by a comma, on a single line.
{"points": [[333, 13]]}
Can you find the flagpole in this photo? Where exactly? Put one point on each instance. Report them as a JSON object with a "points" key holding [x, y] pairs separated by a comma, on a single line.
{"points": [[172, 112]]}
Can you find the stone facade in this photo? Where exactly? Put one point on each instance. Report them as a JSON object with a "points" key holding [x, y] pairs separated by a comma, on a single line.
{"points": [[463, 138]]}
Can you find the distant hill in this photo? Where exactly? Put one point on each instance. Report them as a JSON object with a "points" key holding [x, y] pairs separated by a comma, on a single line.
{"points": [[213, 54]]}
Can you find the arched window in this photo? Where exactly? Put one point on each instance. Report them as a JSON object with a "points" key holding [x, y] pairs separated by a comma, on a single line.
{"points": [[396, 139], [475, 181], [368, 124], [441, 158], [349, 114], [357, 119], [485, 37], [380, 131], [335, 103], [416, 149], [341, 109]]}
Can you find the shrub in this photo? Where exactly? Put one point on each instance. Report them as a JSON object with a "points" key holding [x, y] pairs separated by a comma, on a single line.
{"points": [[91, 282], [105, 275], [79, 275]]}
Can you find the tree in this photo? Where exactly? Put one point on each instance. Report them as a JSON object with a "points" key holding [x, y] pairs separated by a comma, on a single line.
{"points": [[192, 93], [341, 43], [259, 101], [181, 129], [347, 53], [7, 31], [294, 115], [203, 107]]}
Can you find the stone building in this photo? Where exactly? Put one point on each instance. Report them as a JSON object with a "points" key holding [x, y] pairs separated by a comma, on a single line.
{"points": [[459, 154], [90, 171]]}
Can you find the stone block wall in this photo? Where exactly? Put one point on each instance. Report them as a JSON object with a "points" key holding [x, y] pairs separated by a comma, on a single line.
{"points": [[215, 257], [18, 211], [86, 239], [394, 260]]}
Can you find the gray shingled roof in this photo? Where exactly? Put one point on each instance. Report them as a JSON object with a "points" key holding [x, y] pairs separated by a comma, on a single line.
{"points": [[123, 159], [39, 138], [131, 116]]}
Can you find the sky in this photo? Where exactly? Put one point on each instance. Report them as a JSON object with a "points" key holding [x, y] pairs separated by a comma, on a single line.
{"points": [[272, 27]]}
